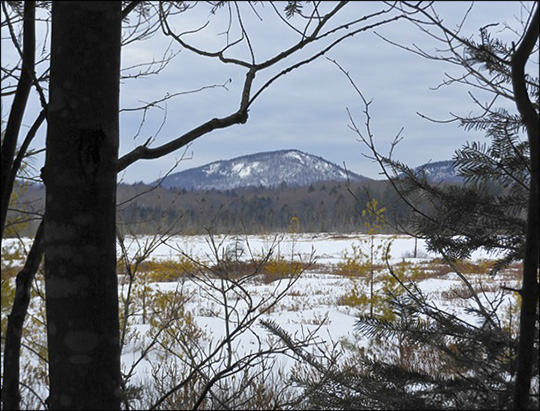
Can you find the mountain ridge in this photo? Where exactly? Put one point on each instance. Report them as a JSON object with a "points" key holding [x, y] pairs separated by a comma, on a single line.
{"points": [[267, 169]]}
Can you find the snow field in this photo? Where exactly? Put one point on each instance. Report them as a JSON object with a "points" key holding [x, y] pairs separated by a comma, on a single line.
{"points": [[311, 306], [310, 310]]}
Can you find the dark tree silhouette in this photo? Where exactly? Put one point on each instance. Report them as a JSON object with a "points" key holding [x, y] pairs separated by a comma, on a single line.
{"points": [[80, 180]]}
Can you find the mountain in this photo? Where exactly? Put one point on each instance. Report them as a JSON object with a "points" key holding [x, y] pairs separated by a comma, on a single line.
{"points": [[440, 171], [269, 169]]}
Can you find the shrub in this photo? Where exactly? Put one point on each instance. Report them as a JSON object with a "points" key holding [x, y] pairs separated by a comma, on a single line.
{"points": [[279, 268], [168, 270], [354, 264]]}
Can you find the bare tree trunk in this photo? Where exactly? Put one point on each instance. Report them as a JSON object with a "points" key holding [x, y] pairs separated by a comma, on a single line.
{"points": [[18, 108], [11, 396], [529, 290], [80, 179]]}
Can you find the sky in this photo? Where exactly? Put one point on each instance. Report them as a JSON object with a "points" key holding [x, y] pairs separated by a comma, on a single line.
{"points": [[308, 108]]}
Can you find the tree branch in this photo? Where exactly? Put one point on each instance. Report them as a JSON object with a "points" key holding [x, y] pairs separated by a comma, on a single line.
{"points": [[239, 117], [129, 8], [146, 153]]}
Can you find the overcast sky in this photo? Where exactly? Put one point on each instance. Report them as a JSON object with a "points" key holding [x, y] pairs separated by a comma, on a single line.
{"points": [[307, 109]]}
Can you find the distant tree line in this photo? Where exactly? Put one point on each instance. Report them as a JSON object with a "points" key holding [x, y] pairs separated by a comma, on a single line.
{"points": [[323, 207]]}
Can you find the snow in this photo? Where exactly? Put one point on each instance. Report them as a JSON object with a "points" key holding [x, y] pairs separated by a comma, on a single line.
{"points": [[211, 169], [244, 170], [311, 304], [295, 155]]}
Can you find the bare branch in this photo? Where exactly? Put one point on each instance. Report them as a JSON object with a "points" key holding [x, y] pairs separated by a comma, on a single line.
{"points": [[146, 153], [129, 8], [239, 117]]}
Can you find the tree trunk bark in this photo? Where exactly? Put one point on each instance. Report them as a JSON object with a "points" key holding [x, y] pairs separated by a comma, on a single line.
{"points": [[80, 178], [11, 396], [529, 289], [18, 107]]}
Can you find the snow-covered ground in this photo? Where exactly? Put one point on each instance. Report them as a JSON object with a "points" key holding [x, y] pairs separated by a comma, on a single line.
{"points": [[311, 307], [312, 304]]}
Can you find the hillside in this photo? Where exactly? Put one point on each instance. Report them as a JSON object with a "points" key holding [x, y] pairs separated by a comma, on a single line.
{"points": [[269, 169]]}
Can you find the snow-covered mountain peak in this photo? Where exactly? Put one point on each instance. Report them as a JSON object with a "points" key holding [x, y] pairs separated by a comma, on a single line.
{"points": [[268, 169]]}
